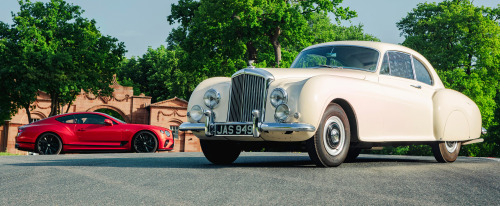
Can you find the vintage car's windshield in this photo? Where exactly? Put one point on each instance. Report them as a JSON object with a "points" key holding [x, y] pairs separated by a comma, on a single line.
{"points": [[349, 57]]}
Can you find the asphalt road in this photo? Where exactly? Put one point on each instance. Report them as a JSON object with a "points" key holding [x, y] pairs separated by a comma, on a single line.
{"points": [[254, 179]]}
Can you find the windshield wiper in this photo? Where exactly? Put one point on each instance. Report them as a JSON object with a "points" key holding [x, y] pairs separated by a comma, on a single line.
{"points": [[328, 66]]}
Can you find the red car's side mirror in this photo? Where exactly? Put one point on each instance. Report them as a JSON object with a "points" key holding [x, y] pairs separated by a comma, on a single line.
{"points": [[108, 122]]}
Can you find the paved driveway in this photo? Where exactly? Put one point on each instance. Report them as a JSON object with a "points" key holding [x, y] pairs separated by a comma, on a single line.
{"points": [[254, 179]]}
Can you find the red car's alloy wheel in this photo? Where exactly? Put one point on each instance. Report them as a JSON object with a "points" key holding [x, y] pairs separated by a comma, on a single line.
{"points": [[145, 142], [49, 144]]}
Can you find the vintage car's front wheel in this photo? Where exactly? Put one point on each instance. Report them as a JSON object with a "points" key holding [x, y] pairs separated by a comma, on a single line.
{"points": [[219, 151], [446, 151], [330, 144]]}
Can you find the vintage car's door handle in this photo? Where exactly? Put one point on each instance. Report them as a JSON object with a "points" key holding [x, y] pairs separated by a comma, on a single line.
{"points": [[416, 86], [81, 130]]}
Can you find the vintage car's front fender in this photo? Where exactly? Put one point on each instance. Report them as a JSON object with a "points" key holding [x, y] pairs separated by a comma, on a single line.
{"points": [[318, 92], [221, 85]]}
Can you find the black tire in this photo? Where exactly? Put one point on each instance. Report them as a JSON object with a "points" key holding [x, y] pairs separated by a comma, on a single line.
{"points": [[352, 154], [48, 144], [330, 145], [220, 152], [446, 151], [144, 142]]}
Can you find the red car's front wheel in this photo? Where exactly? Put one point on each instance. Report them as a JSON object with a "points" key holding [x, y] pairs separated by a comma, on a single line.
{"points": [[144, 142]]}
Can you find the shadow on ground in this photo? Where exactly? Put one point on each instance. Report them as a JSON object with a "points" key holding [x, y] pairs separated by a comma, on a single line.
{"points": [[281, 161]]}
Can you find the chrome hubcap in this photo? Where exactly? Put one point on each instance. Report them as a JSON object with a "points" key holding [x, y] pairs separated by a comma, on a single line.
{"points": [[451, 146], [334, 136]]}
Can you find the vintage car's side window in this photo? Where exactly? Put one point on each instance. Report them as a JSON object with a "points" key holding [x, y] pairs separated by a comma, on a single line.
{"points": [[385, 64], [400, 65], [421, 72]]}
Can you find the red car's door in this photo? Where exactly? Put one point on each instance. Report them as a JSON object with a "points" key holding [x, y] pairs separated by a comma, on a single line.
{"points": [[93, 132]]}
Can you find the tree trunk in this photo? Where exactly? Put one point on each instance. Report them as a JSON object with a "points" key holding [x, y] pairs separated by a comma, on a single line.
{"points": [[27, 108], [54, 104], [276, 45], [69, 105]]}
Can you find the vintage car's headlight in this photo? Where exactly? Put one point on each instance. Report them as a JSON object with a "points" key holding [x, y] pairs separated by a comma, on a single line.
{"points": [[211, 98], [196, 112], [278, 97], [281, 113]]}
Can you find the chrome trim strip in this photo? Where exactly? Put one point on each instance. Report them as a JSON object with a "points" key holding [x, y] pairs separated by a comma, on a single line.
{"points": [[294, 127], [187, 126], [256, 123], [256, 72]]}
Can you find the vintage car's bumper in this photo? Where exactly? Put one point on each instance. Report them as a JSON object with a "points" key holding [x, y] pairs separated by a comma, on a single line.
{"points": [[256, 128]]}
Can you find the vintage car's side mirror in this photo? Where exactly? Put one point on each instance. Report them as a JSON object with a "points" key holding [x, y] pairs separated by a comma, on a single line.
{"points": [[108, 122]]}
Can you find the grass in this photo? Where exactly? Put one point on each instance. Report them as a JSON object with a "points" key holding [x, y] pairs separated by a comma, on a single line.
{"points": [[6, 154]]}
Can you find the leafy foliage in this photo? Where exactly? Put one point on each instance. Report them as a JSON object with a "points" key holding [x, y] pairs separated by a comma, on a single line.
{"points": [[157, 73], [215, 38], [51, 47]]}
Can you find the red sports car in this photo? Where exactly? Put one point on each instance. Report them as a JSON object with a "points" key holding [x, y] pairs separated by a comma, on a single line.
{"points": [[91, 131]]}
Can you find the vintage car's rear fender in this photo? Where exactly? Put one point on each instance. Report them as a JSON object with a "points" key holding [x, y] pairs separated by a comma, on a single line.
{"points": [[456, 117]]}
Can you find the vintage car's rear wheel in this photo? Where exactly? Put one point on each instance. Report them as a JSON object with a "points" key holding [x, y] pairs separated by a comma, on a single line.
{"points": [[330, 144], [48, 144], [220, 152], [446, 151], [144, 142]]}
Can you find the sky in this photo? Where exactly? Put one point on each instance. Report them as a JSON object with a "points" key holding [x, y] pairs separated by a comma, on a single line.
{"points": [[143, 23]]}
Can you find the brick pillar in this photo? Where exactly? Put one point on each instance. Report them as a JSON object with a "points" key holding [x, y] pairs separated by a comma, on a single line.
{"points": [[4, 136], [182, 141]]}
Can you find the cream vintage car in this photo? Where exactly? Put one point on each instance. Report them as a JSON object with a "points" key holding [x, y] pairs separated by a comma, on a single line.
{"points": [[337, 99]]}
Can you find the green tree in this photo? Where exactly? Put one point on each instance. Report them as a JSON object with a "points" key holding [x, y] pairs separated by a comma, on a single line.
{"points": [[51, 47], [157, 73], [462, 42], [323, 30], [218, 37], [128, 74]]}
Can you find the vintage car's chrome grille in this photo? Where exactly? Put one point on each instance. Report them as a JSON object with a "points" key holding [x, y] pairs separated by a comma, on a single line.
{"points": [[248, 92]]}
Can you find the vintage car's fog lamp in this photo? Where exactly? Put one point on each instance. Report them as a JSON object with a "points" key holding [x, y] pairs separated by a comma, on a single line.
{"points": [[196, 112], [211, 98], [278, 97], [281, 113]]}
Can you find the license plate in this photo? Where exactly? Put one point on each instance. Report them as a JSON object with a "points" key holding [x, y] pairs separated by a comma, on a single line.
{"points": [[233, 129]]}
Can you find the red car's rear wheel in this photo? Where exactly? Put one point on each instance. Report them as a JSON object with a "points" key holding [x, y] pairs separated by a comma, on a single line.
{"points": [[48, 144]]}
